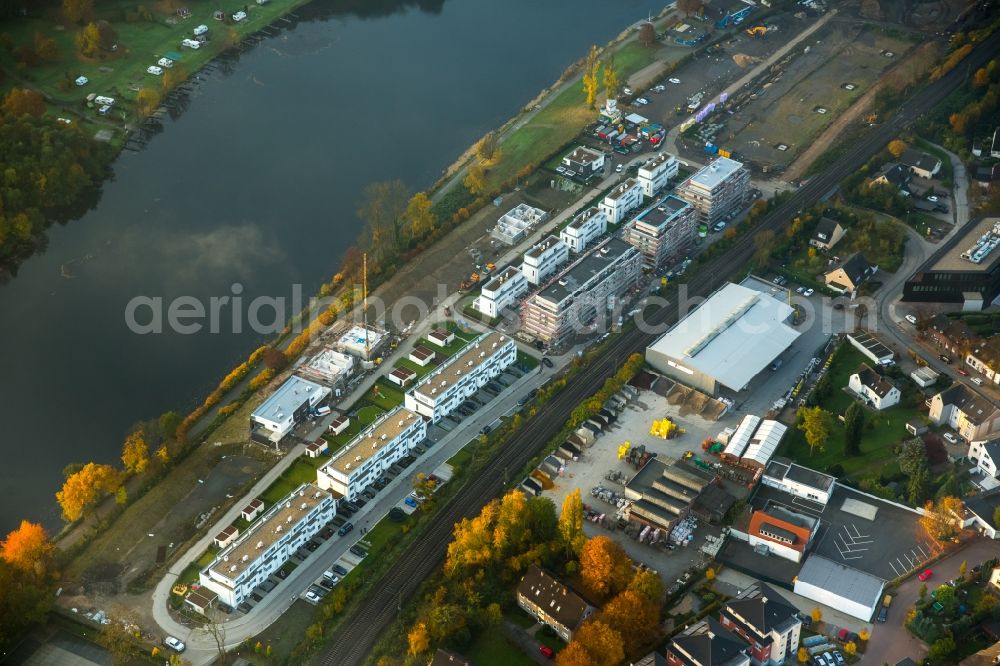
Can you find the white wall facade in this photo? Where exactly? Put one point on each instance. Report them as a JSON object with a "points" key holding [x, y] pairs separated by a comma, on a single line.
{"points": [[890, 399], [544, 259], [852, 608], [501, 292], [622, 200], [979, 455], [585, 227], [656, 173]]}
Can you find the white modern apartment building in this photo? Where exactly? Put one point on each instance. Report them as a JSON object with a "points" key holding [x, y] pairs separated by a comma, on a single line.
{"points": [[656, 173], [665, 232], [586, 227], [622, 200], [584, 161], [717, 189], [286, 407], [503, 291], [371, 452], [587, 288], [544, 259], [462, 375], [268, 543], [328, 366]]}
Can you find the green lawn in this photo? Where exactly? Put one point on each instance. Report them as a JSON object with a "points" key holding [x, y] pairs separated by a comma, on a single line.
{"points": [[301, 471], [491, 649], [383, 395], [529, 361], [364, 416], [421, 370], [882, 429]]}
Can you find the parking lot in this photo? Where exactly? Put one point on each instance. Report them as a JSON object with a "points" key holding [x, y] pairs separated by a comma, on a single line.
{"points": [[474, 404]]}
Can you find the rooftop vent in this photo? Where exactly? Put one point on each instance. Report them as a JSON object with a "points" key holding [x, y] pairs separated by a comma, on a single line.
{"points": [[232, 569], [260, 544], [303, 506]]}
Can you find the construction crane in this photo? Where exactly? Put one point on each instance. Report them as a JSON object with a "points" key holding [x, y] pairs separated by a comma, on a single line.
{"points": [[757, 31]]}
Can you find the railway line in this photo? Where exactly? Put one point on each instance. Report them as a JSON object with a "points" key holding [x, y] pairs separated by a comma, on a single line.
{"points": [[363, 627]]}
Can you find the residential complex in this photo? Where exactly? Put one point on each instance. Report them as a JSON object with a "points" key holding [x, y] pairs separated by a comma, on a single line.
{"points": [[372, 451], [460, 376], [972, 416], [966, 269], [726, 341], [584, 290], [550, 601], [584, 161], [285, 408], [544, 259], [621, 201], [716, 190], [656, 173], [268, 543], [586, 227], [503, 291], [768, 623], [664, 232], [707, 643], [328, 366]]}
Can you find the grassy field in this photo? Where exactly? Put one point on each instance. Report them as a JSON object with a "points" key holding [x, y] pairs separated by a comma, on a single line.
{"points": [[383, 395], [560, 120], [491, 649], [882, 429], [363, 417], [140, 43], [301, 471]]}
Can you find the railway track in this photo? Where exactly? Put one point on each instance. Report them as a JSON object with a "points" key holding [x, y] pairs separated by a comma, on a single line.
{"points": [[362, 628]]}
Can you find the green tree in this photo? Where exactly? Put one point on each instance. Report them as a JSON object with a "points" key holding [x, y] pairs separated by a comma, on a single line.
{"points": [[854, 423], [418, 216], [168, 424], [88, 40], [912, 456], [612, 85], [25, 601], [922, 592], [764, 244], [815, 422], [571, 524], [488, 146], [382, 206], [942, 648], [916, 486], [590, 66], [78, 11]]}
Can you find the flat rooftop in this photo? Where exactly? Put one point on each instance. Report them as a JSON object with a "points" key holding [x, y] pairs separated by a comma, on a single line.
{"points": [[842, 580], [288, 398], [620, 191], [371, 440], [665, 211], [871, 343], [276, 521], [584, 155], [712, 175], [584, 269], [732, 336], [461, 364], [583, 218], [541, 246], [355, 337], [980, 237], [657, 161], [505, 275]]}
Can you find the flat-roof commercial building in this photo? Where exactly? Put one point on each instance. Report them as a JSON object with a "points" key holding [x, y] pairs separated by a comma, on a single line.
{"points": [[664, 232], [584, 161], [656, 173], [622, 200], [754, 441], [285, 408], [717, 189], [372, 451], [328, 366], [662, 493], [544, 259], [515, 224], [726, 341], [363, 342], [268, 543], [460, 376], [966, 269], [584, 290], [585, 228], [777, 530], [782, 474], [839, 586], [503, 291], [872, 347]]}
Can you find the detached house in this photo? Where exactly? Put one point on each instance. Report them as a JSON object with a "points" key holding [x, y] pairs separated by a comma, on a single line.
{"points": [[920, 164], [707, 643], [551, 602], [768, 623], [827, 234], [893, 174], [850, 274], [969, 414], [986, 455], [873, 388]]}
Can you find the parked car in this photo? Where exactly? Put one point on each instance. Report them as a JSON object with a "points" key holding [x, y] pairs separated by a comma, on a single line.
{"points": [[174, 644], [345, 529], [312, 596], [642, 101], [626, 91], [359, 551], [932, 198], [674, 80], [808, 292], [547, 362], [883, 613], [838, 657], [950, 438], [927, 573], [327, 583], [719, 226], [910, 318], [619, 168], [978, 381], [547, 651], [409, 501], [963, 372], [944, 358], [339, 570], [660, 88]]}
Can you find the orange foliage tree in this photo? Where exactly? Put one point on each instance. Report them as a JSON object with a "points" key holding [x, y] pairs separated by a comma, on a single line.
{"points": [[21, 101], [27, 548], [594, 644], [84, 488], [135, 453], [633, 616], [604, 567]]}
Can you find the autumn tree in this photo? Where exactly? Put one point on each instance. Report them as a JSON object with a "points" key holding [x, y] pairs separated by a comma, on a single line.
{"points": [[612, 84], [590, 65], [475, 179], [647, 34], [816, 615], [146, 101], [851, 647], [135, 453], [803, 655], [419, 639], [864, 634], [88, 40], [571, 524], [633, 616], [981, 79], [596, 644], [764, 245], [274, 358], [27, 548], [418, 218], [897, 147], [942, 518], [604, 567], [381, 208], [46, 48], [84, 488], [649, 585], [488, 146], [24, 601], [22, 101], [574, 654], [121, 636], [815, 422], [78, 11], [689, 6], [854, 423]]}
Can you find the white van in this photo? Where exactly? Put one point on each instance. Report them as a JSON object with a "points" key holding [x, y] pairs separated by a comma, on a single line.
{"points": [[239, 16], [104, 101], [978, 381], [200, 30], [323, 411], [154, 70]]}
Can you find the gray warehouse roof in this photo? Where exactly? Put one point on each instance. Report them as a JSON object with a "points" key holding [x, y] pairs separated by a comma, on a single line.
{"points": [[842, 580]]}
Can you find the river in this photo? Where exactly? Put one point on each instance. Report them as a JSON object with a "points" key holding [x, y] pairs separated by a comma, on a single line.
{"points": [[256, 183]]}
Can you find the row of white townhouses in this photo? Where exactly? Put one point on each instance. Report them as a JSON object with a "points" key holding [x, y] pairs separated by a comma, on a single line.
{"points": [[622, 200], [503, 291], [544, 259]]}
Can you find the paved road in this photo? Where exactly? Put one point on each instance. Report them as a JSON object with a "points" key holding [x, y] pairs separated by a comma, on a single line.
{"points": [[890, 642], [367, 622]]}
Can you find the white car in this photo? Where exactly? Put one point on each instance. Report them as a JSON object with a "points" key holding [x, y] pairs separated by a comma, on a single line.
{"points": [[659, 88], [719, 226], [626, 91], [642, 101], [808, 292], [82, 80], [978, 381], [951, 438], [619, 168], [174, 644], [312, 596], [674, 80], [239, 16], [800, 290], [104, 110], [932, 198], [911, 319], [154, 70]]}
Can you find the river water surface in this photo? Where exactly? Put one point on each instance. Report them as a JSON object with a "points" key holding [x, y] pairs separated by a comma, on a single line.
{"points": [[255, 183]]}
